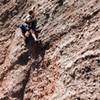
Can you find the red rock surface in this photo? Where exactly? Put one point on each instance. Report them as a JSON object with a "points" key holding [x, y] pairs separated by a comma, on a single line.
{"points": [[65, 65]]}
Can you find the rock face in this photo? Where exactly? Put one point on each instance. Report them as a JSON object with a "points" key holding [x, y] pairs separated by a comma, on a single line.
{"points": [[65, 65]]}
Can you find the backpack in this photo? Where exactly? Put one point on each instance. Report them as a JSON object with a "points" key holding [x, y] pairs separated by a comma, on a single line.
{"points": [[24, 27]]}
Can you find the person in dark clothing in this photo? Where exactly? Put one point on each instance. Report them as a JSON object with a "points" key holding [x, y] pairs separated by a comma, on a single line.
{"points": [[29, 26]]}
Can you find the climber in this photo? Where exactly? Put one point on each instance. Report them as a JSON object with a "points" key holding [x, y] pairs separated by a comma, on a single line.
{"points": [[29, 26]]}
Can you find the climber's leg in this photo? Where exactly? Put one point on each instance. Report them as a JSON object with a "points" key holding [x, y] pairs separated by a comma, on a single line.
{"points": [[33, 35], [27, 34]]}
